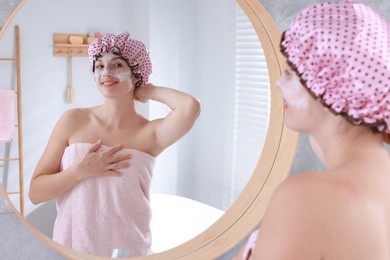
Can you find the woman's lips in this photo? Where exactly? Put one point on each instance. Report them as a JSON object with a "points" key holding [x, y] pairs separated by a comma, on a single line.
{"points": [[108, 84]]}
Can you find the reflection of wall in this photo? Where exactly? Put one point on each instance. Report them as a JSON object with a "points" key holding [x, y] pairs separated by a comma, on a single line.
{"points": [[213, 85], [172, 34]]}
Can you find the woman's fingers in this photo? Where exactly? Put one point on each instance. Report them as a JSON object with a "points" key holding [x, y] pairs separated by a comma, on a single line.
{"points": [[117, 166], [119, 158], [110, 153], [114, 173], [113, 157], [113, 150], [105, 163], [116, 161], [95, 146], [113, 169]]}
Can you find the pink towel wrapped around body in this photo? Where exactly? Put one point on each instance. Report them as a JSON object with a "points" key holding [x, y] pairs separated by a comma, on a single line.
{"points": [[103, 213], [250, 245], [7, 114]]}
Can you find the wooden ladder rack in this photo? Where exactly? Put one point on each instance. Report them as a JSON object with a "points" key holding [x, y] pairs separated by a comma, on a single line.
{"points": [[19, 119]]}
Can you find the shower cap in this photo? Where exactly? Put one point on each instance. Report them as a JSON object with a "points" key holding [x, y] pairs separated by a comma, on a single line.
{"points": [[132, 50], [341, 51]]}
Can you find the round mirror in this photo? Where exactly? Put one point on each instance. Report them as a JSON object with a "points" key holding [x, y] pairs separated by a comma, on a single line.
{"points": [[279, 145]]}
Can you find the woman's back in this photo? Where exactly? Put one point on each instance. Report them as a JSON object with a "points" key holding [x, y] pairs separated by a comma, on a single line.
{"points": [[342, 213], [358, 204]]}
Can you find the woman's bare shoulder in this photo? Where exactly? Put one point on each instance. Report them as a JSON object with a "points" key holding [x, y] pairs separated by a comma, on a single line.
{"points": [[320, 203], [300, 191], [78, 112], [294, 214], [73, 118], [300, 209], [300, 184], [311, 188], [76, 115], [315, 202]]}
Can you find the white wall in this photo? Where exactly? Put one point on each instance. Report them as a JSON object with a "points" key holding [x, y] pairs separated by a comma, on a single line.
{"points": [[172, 34], [213, 57], [187, 42]]}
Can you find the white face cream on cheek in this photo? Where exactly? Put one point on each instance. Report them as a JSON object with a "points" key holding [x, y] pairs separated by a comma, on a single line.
{"points": [[119, 75], [123, 75], [294, 93]]}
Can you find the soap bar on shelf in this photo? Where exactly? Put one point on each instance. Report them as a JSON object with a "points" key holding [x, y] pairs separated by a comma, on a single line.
{"points": [[74, 39]]}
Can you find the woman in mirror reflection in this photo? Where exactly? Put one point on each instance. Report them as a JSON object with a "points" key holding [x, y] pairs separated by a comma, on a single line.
{"points": [[336, 89], [99, 161]]}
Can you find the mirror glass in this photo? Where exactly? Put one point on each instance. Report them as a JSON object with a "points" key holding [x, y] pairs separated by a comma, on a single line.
{"points": [[193, 48]]}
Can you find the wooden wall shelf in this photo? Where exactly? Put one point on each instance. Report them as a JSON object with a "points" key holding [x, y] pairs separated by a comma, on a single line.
{"points": [[63, 48]]}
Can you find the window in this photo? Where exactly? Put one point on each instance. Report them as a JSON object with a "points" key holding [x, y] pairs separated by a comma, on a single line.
{"points": [[248, 115]]}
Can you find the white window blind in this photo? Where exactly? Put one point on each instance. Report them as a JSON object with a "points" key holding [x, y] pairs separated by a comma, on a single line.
{"points": [[248, 116]]}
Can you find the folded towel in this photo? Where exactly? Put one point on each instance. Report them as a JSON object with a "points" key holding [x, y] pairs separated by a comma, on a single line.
{"points": [[7, 114]]}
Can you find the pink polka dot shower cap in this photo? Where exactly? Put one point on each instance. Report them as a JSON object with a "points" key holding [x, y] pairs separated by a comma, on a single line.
{"points": [[132, 50], [341, 51]]}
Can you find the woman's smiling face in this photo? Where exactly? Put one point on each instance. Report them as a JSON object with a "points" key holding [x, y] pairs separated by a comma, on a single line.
{"points": [[113, 75]]}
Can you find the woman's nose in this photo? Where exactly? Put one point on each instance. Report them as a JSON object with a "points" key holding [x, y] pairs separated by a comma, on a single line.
{"points": [[279, 82], [107, 72]]}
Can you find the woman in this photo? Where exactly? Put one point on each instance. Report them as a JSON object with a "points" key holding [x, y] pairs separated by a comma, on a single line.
{"points": [[99, 160], [336, 89]]}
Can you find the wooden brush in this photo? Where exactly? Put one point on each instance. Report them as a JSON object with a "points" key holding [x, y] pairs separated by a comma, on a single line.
{"points": [[69, 90]]}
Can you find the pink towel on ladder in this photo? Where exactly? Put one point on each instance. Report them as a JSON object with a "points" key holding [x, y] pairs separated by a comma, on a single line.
{"points": [[100, 214], [7, 114]]}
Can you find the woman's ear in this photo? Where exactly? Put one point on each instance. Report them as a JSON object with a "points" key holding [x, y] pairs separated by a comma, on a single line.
{"points": [[133, 79]]}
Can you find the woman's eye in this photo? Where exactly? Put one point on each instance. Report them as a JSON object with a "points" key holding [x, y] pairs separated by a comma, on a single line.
{"points": [[98, 66], [118, 65]]}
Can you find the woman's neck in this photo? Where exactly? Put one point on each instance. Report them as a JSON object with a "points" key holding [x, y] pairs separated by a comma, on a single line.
{"points": [[117, 113], [335, 148]]}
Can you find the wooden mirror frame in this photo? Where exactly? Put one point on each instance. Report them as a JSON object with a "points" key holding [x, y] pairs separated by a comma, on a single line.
{"points": [[273, 166]]}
